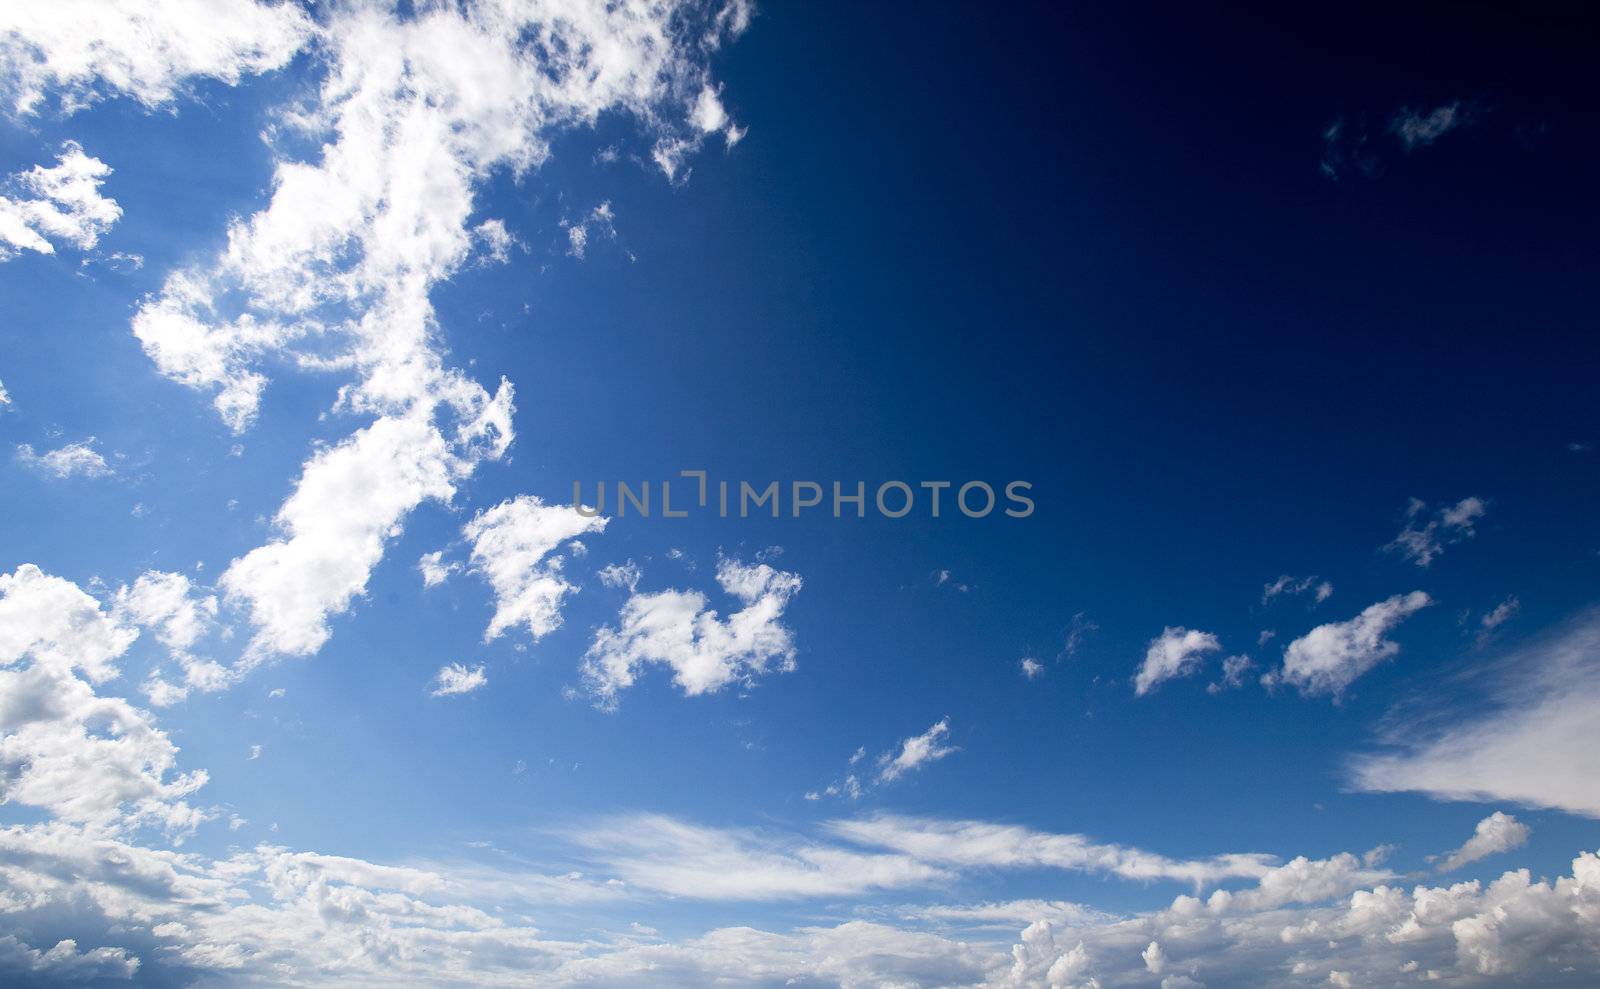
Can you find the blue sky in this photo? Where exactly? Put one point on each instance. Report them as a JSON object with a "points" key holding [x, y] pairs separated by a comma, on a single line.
{"points": [[310, 673]]}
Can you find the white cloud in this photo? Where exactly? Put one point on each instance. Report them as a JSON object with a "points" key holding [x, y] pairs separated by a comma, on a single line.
{"points": [[1330, 657], [601, 220], [494, 241], [64, 748], [512, 548], [349, 501], [1532, 745], [74, 459], [621, 575], [1154, 958], [64, 962], [1496, 617], [64, 204], [85, 49], [705, 652], [1233, 670], [1031, 668], [180, 615], [1422, 538], [1499, 832], [434, 571], [457, 679], [5, 397], [1418, 129], [1320, 590], [1176, 652], [916, 752], [983, 845]]}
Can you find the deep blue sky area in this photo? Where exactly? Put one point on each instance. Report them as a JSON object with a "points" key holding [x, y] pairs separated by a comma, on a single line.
{"points": [[1173, 265]]}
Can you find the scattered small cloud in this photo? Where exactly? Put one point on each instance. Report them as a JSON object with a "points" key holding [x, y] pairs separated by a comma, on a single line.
{"points": [[1320, 590], [621, 575], [1176, 652], [1330, 657], [1420, 128], [916, 752], [1425, 535], [434, 570], [74, 459], [1499, 832], [457, 679], [1233, 670]]}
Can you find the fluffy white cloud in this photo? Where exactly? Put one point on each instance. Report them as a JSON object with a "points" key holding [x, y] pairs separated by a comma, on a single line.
{"points": [[74, 459], [1424, 537], [64, 204], [64, 962], [457, 679], [512, 548], [434, 570], [349, 501], [705, 652], [1176, 652], [1533, 744], [1499, 832], [180, 615], [1330, 657], [84, 49], [916, 752], [5, 396], [416, 109], [64, 748]]}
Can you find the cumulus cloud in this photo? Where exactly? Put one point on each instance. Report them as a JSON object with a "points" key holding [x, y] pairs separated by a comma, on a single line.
{"points": [[705, 652], [1499, 832], [1425, 535], [350, 500], [434, 570], [512, 548], [72, 460], [1176, 652], [1330, 657], [179, 614], [64, 962], [1533, 744], [416, 109], [64, 748], [62, 203], [457, 679], [82, 50], [916, 752]]}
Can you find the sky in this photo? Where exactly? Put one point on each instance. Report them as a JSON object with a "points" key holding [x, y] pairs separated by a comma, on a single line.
{"points": [[324, 328]]}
